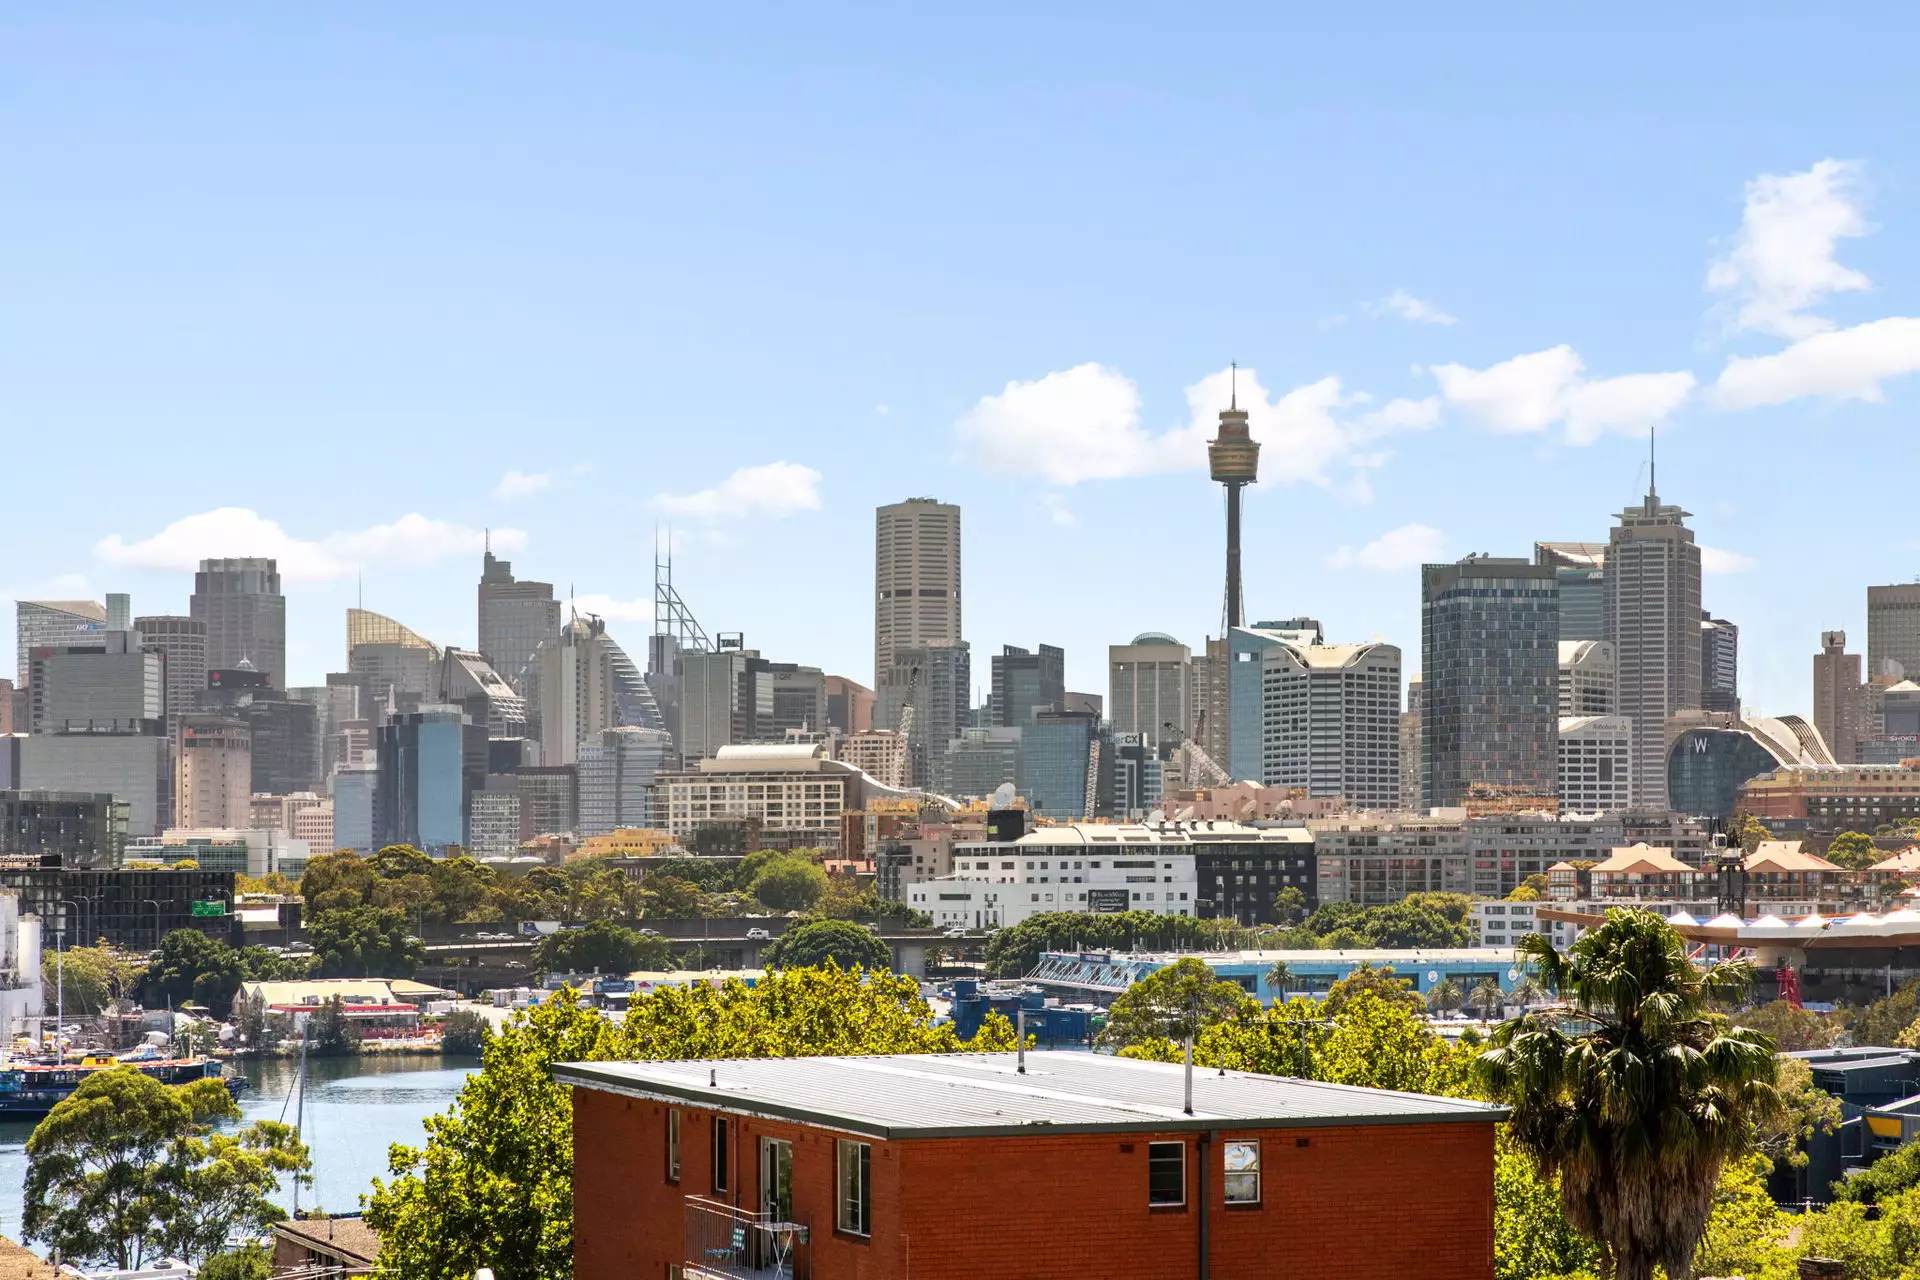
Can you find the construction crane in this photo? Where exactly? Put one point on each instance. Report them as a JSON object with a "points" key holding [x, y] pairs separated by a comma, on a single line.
{"points": [[1196, 766]]}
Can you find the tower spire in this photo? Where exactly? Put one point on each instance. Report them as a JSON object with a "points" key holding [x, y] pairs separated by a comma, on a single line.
{"points": [[1653, 487], [1233, 385]]}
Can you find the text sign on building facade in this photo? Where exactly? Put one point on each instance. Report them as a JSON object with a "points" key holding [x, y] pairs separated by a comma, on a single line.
{"points": [[1108, 901]]}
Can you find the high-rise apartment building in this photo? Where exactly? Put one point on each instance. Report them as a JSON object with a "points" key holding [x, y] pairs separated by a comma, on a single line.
{"points": [[1893, 628], [1653, 619], [586, 683], [1837, 697], [245, 613], [1719, 665], [182, 646], [916, 579], [1025, 682], [1596, 763], [1150, 687], [515, 617], [1580, 568], [469, 681], [213, 776], [55, 623], [849, 705], [1490, 666], [1330, 721], [620, 769], [1587, 676], [1057, 770]]}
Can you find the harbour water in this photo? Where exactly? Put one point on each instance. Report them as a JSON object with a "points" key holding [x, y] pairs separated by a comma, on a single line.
{"points": [[356, 1108]]}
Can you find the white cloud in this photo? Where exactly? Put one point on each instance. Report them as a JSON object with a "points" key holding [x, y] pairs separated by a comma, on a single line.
{"points": [[1534, 391], [1782, 260], [1407, 307], [1057, 510], [239, 531], [519, 484], [1714, 560], [773, 489], [1084, 423], [62, 586], [1846, 364], [1407, 547]]}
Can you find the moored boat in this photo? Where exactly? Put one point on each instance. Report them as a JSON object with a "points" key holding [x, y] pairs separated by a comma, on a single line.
{"points": [[28, 1090]]}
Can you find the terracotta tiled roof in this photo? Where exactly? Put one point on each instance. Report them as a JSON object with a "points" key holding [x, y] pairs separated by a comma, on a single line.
{"points": [[17, 1263], [347, 1237], [1642, 859]]}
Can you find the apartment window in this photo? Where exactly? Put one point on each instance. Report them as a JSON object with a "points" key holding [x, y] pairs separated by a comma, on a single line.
{"points": [[673, 1144], [1242, 1172], [721, 1149], [1166, 1173], [855, 1160]]}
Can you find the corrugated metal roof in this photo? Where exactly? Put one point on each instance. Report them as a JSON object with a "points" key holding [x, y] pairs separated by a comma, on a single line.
{"points": [[982, 1095]]}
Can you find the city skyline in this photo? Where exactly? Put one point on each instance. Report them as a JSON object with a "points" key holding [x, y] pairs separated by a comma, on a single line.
{"points": [[1509, 335]]}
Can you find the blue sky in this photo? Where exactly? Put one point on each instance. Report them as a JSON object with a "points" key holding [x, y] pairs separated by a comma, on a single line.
{"points": [[350, 283]]}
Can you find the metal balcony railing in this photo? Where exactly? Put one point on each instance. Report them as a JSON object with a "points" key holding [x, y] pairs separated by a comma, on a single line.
{"points": [[725, 1242]]}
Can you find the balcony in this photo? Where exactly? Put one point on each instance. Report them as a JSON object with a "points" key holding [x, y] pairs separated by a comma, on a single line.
{"points": [[725, 1242]]}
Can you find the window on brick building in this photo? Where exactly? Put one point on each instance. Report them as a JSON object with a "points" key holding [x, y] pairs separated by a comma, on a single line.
{"points": [[673, 1144], [855, 1161], [1242, 1181], [721, 1150], [1166, 1173]]}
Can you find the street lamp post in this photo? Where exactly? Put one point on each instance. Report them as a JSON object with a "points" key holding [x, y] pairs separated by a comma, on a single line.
{"points": [[60, 979], [149, 902]]}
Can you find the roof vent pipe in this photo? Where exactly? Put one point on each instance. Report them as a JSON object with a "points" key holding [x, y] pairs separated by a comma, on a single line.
{"points": [[1020, 1040], [1186, 1059]]}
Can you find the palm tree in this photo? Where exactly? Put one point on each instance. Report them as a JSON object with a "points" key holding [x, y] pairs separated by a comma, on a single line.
{"points": [[1445, 996], [1636, 1110], [1528, 991], [1487, 997], [1277, 978]]}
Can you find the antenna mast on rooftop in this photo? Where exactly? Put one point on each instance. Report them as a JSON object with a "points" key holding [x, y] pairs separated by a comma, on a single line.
{"points": [[671, 617]]}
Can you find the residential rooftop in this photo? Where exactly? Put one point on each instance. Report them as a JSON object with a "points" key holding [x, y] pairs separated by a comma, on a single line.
{"points": [[892, 1097]]}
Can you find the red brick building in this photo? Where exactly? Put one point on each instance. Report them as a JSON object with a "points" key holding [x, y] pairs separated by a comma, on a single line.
{"points": [[957, 1167]]}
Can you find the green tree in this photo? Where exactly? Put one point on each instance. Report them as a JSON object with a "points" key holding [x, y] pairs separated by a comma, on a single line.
{"points": [[125, 1167], [1278, 976], [94, 977], [464, 1032], [1789, 1026], [1638, 1112], [1531, 1234], [1743, 1228], [1746, 831], [1445, 996], [336, 881], [1897, 1171], [1172, 1004], [363, 942], [820, 942], [601, 947], [493, 1186], [329, 1032], [1486, 998], [1881, 1022], [194, 967], [789, 884], [1290, 905], [251, 1261], [1532, 889], [1805, 1110], [1381, 982], [1852, 850]]}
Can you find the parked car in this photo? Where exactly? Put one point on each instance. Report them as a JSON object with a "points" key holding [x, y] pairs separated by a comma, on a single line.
{"points": [[648, 933], [958, 931], [758, 935]]}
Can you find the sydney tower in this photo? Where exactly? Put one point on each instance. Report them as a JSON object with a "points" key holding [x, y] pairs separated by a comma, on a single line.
{"points": [[1234, 459]]}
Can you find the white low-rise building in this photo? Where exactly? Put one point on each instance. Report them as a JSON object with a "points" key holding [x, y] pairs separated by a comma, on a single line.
{"points": [[1503, 924], [1092, 867]]}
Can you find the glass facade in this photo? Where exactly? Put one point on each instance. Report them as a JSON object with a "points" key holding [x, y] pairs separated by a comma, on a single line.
{"points": [[1490, 674], [1054, 753], [1707, 767]]}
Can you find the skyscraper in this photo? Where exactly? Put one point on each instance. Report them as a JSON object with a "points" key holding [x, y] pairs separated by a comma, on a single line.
{"points": [[932, 683], [1150, 685], [182, 646], [401, 668], [245, 613], [619, 768], [1330, 721], [586, 683], [213, 780], [431, 763], [1580, 568], [1490, 650], [1837, 697], [1719, 664], [53, 622], [1893, 628], [1652, 605], [1587, 678], [916, 579], [1024, 682], [515, 617]]}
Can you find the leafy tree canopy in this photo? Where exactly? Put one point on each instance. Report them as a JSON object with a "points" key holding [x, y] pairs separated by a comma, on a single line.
{"points": [[94, 977], [362, 942], [601, 947], [1172, 1004], [1382, 982], [820, 942], [789, 884], [1854, 851]]}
